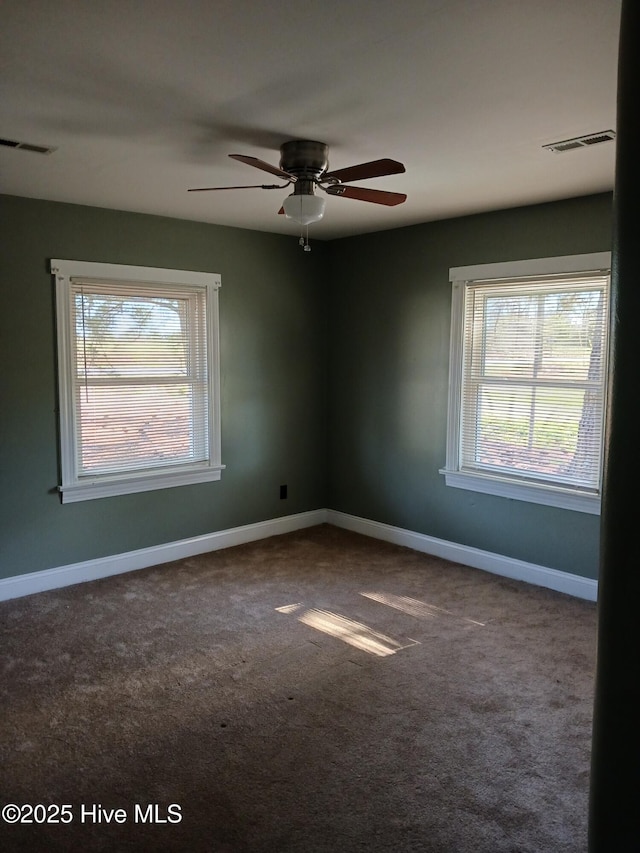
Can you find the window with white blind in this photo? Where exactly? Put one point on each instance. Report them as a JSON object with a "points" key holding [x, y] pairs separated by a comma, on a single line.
{"points": [[528, 375], [138, 371]]}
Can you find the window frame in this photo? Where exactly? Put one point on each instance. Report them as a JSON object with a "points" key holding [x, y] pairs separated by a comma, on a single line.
{"points": [[561, 496], [79, 487]]}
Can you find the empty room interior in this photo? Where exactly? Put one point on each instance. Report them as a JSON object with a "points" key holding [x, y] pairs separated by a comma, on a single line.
{"points": [[302, 448]]}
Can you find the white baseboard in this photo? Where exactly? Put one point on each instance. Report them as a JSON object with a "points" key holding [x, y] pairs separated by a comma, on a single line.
{"points": [[497, 564], [103, 567]]}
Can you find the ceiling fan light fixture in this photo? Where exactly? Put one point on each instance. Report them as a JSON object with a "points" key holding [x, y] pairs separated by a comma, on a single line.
{"points": [[303, 208]]}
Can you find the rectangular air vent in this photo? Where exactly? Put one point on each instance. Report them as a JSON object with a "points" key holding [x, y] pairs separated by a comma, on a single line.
{"points": [[580, 141], [27, 146]]}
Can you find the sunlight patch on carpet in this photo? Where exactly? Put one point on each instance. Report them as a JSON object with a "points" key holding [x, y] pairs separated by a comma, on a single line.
{"points": [[415, 607], [289, 608], [354, 633]]}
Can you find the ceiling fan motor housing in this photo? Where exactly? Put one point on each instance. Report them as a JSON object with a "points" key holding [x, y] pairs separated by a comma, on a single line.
{"points": [[304, 158]]}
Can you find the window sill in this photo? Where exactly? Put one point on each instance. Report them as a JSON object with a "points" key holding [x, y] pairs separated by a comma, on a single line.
{"points": [[105, 488], [556, 496]]}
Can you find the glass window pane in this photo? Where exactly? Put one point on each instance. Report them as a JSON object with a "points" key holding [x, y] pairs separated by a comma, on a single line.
{"points": [[131, 336], [139, 427], [544, 431]]}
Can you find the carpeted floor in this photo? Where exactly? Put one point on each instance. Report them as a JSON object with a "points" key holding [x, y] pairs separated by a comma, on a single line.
{"points": [[318, 692]]}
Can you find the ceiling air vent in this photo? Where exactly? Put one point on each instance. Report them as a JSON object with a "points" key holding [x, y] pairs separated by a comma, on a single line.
{"points": [[27, 146], [580, 141]]}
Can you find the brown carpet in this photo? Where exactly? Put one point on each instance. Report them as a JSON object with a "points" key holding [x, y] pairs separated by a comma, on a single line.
{"points": [[318, 691]]}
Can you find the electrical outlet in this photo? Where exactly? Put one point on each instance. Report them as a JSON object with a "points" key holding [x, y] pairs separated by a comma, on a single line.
{"points": [[283, 492]]}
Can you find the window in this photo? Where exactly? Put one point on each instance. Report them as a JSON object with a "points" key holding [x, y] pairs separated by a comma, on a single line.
{"points": [[138, 378], [527, 384]]}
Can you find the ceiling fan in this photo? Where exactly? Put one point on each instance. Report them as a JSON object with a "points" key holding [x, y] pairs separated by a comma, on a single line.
{"points": [[305, 164]]}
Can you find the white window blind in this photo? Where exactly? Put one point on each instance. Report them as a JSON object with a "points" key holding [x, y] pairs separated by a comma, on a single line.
{"points": [[140, 378], [534, 379], [138, 362], [528, 379]]}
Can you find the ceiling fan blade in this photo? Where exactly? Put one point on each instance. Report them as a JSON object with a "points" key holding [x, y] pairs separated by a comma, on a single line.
{"points": [[364, 194], [260, 164], [374, 169], [242, 187]]}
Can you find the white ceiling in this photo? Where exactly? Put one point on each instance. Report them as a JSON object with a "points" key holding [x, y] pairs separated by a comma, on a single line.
{"points": [[145, 98]]}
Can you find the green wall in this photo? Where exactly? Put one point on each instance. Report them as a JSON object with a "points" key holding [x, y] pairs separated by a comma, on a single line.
{"points": [[334, 381], [388, 380], [273, 372]]}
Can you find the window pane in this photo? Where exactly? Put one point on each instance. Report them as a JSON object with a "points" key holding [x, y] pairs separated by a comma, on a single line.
{"points": [[547, 432], [543, 336], [139, 427], [131, 336]]}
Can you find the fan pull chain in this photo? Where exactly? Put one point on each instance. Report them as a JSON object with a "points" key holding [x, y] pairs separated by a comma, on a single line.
{"points": [[304, 240]]}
